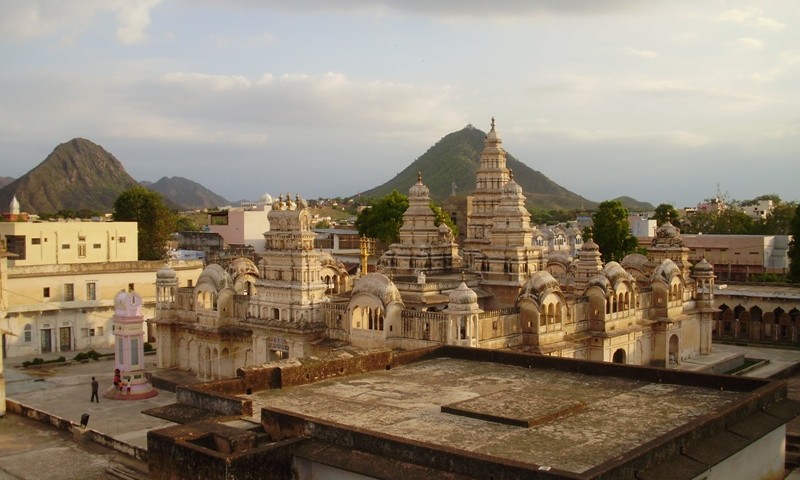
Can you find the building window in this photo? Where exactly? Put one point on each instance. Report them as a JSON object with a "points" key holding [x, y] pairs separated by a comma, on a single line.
{"points": [[81, 238], [96, 246], [91, 291], [69, 292], [36, 241], [99, 331], [130, 287], [82, 250], [91, 332], [65, 246], [27, 336], [122, 239], [46, 292], [16, 244]]}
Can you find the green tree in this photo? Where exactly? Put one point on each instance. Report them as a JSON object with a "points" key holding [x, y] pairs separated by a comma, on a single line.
{"points": [[383, 218], [794, 248], [323, 224], [611, 231], [185, 223], [699, 222], [732, 221], [443, 216], [666, 213], [778, 221], [156, 222]]}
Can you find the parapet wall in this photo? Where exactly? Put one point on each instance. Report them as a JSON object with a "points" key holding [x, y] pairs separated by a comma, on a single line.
{"points": [[26, 411]]}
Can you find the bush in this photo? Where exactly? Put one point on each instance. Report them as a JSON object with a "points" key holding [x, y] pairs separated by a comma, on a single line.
{"points": [[80, 357], [93, 354], [148, 347], [60, 359], [37, 361]]}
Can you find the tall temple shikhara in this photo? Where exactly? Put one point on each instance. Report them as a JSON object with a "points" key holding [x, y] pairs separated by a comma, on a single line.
{"points": [[504, 288]]}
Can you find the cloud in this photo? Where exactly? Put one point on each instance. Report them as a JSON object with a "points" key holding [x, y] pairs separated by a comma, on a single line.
{"points": [[669, 88], [790, 58], [634, 52], [767, 76], [750, 43], [227, 108], [750, 18], [67, 19], [134, 18], [674, 138], [477, 9]]}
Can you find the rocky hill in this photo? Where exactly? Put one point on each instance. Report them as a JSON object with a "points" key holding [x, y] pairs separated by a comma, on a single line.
{"points": [[635, 205], [78, 175], [188, 194], [455, 159], [5, 181]]}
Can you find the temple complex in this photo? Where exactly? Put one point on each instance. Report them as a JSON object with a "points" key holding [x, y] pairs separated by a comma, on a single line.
{"points": [[510, 286]]}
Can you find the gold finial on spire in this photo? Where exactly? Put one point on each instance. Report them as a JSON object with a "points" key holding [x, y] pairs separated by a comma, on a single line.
{"points": [[463, 276], [510, 174], [492, 122], [419, 177]]}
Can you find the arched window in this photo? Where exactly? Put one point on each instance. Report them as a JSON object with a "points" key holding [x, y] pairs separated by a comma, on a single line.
{"points": [[28, 335]]}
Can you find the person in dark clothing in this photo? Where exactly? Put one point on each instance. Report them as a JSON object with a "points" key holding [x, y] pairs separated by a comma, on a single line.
{"points": [[95, 387]]}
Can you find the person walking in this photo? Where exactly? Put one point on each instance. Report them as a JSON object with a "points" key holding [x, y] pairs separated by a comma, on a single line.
{"points": [[95, 387]]}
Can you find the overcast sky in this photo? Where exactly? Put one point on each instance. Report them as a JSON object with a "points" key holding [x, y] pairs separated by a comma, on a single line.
{"points": [[658, 100]]}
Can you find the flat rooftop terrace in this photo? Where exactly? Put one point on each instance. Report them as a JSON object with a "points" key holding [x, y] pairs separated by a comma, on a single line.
{"points": [[534, 416]]}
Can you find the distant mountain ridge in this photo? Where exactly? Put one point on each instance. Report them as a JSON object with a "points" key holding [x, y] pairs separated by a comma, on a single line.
{"points": [[77, 175], [635, 205], [456, 158], [186, 193], [81, 175]]}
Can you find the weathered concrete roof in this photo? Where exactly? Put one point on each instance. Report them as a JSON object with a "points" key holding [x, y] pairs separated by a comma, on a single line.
{"points": [[564, 420]]}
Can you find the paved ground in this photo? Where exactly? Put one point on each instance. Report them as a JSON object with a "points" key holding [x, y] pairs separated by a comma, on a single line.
{"points": [[30, 450], [65, 391]]}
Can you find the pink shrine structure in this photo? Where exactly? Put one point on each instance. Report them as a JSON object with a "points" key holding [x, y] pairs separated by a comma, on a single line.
{"points": [[129, 351]]}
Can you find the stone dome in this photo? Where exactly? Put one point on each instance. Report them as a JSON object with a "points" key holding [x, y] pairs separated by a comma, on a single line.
{"points": [[419, 189], [538, 283], [128, 304], [379, 285], [561, 258], [512, 188], [463, 295], [590, 246], [241, 266], [600, 281], [615, 273], [666, 270], [703, 268], [216, 276], [667, 230], [166, 273], [492, 136], [634, 260]]}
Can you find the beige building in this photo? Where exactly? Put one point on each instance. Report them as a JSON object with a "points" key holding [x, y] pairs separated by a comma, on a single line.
{"points": [[61, 282], [738, 257], [244, 225]]}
